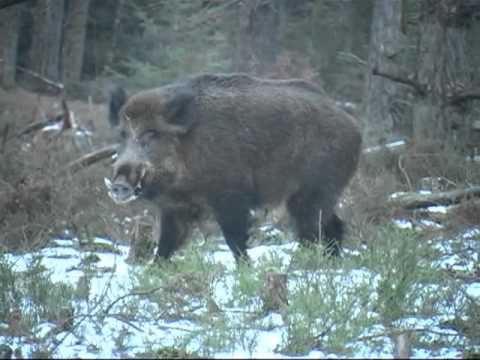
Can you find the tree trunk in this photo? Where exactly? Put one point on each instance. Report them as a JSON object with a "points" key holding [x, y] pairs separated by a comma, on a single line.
{"points": [[242, 49], [74, 39], [47, 32], [9, 31], [257, 41], [386, 44], [265, 20], [443, 69], [115, 28]]}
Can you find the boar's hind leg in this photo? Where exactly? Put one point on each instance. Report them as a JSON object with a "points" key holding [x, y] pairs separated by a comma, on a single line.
{"points": [[334, 230], [232, 212], [304, 208], [173, 229]]}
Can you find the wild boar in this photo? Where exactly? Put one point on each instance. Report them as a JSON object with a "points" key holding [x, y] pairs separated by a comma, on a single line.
{"points": [[223, 144]]}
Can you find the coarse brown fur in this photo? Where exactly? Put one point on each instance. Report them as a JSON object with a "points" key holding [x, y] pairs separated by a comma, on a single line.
{"points": [[228, 143]]}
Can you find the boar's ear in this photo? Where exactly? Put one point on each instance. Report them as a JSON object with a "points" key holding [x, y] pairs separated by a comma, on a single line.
{"points": [[179, 119], [118, 97]]}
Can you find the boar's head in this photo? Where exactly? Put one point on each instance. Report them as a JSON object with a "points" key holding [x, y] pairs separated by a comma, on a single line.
{"points": [[149, 163]]}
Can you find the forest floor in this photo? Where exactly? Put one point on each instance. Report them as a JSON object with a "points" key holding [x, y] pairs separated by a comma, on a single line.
{"points": [[82, 299]]}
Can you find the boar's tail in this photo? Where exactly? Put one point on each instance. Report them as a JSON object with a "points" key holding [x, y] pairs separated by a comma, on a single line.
{"points": [[118, 97]]}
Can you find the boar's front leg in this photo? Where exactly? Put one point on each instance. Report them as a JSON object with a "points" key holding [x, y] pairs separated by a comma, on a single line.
{"points": [[232, 212], [170, 230]]}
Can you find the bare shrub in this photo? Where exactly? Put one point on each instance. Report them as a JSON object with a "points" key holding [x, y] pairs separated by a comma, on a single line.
{"points": [[289, 65], [367, 202], [38, 199], [466, 214], [438, 161]]}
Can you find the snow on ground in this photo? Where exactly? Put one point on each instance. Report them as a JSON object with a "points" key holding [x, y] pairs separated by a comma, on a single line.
{"points": [[93, 340], [391, 146]]}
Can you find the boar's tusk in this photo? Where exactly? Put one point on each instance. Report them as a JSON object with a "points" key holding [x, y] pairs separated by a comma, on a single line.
{"points": [[137, 191], [108, 183], [142, 174]]}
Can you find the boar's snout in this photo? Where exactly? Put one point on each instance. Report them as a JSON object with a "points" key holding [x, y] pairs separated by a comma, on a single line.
{"points": [[126, 185], [121, 191]]}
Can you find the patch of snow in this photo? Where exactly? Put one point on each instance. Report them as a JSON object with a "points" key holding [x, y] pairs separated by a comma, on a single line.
{"points": [[83, 132], [390, 146], [403, 224], [474, 158], [354, 252], [473, 290], [268, 250], [272, 231], [430, 224], [94, 340], [99, 240], [397, 194], [53, 127], [63, 242], [224, 257], [271, 355], [395, 144], [471, 233], [443, 354], [453, 262], [437, 209]]}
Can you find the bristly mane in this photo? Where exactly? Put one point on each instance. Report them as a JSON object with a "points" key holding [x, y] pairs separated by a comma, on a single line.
{"points": [[245, 80]]}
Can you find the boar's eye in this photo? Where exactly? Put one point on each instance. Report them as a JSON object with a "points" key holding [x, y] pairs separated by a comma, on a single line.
{"points": [[147, 136], [123, 134]]}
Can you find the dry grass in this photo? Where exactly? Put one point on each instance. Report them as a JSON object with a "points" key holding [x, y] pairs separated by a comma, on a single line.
{"points": [[437, 161], [37, 199], [422, 166], [467, 213]]}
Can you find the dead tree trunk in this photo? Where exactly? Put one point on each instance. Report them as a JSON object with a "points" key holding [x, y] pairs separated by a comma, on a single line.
{"points": [[444, 69], [257, 39], [441, 83], [265, 21], [117, 15], [47, 32], [74, 39], [386, 44], [241, 49], [9, 28]]}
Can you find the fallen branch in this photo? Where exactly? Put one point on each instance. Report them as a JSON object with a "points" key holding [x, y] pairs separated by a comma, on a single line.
{"points": [[56, 85], [417, 200], [6, 3], [464, 96], [419, 88], [65, 119], [348, 56], [34, 127], [394, 147], [91, 158]]}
